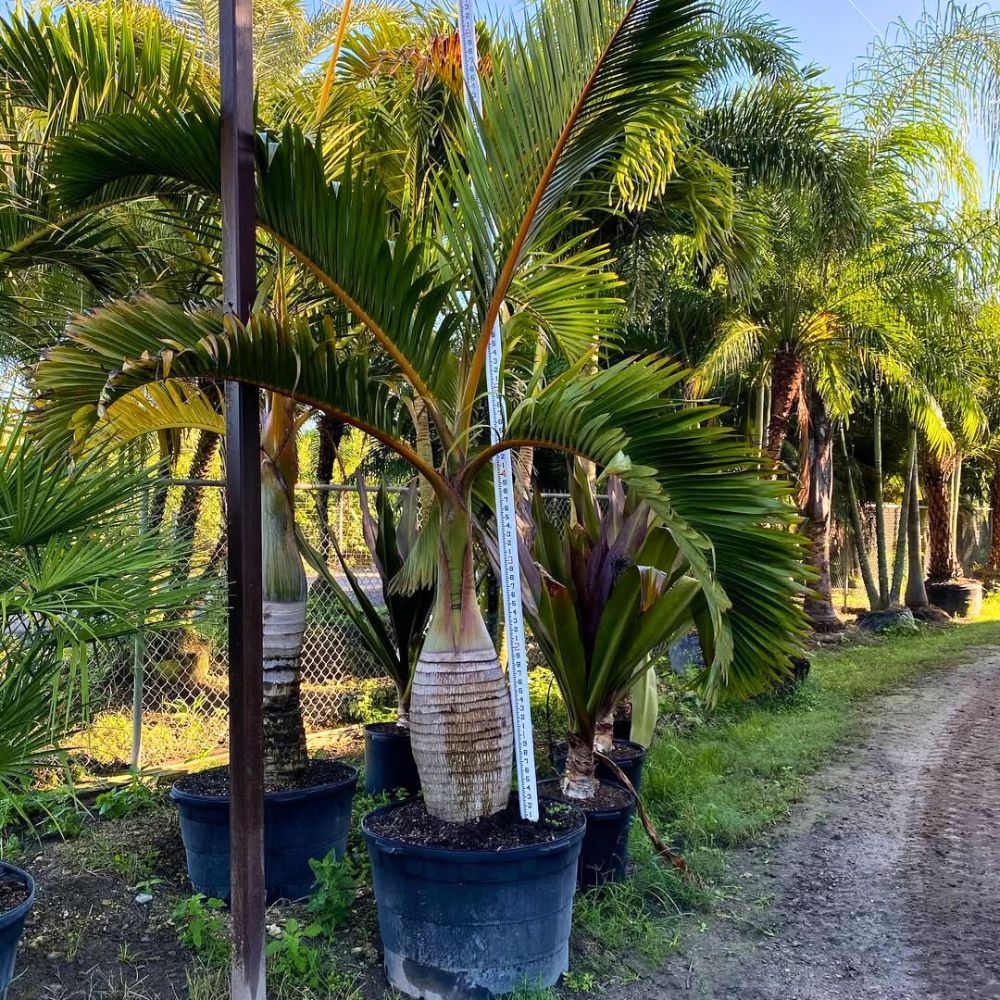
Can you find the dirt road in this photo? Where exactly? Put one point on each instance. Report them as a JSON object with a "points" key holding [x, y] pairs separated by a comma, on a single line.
{"points": [[886, 884]]}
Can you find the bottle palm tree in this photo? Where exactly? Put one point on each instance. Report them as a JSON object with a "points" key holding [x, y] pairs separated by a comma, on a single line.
{"points": [[575, 83]]}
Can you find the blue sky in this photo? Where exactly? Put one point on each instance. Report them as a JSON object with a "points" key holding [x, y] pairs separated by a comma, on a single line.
{"points": [[833, 33]]}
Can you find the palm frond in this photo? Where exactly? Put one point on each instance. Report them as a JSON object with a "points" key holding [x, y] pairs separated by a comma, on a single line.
{"points": [[570, 89], [338, 232], [729, 518], [126, 347]]}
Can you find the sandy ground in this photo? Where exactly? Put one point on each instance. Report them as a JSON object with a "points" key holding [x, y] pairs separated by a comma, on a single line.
{"points": [[886, 883]]}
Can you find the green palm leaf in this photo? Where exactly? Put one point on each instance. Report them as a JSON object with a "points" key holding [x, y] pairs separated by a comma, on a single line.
{"points": [[339, 231], [730, 521], [569, 91]]}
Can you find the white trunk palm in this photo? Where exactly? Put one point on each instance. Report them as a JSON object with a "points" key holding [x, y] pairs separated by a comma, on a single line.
{"points": [[284, 600]]}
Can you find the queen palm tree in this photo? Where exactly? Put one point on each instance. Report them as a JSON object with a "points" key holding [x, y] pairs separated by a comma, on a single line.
{"points": [[419, 314]]}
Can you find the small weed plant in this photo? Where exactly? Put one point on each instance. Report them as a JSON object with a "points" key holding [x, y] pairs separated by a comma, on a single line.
{"points": [[201, 929], [291, 956], [333, 895], [117, 803], [579, 982]]}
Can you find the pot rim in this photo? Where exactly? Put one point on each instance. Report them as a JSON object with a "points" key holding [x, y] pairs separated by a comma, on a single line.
{"points": [[291, 795], [8, 917], [369, 730], [562, 747], [597, 813], [391, 845]]}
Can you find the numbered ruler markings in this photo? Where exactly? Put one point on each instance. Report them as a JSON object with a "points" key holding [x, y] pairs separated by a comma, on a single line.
{"points": [[503, 484]]}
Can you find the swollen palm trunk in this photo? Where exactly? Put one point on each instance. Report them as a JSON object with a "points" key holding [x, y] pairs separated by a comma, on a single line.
{"points": [[284, 733], [460, 717], [284, 582]]}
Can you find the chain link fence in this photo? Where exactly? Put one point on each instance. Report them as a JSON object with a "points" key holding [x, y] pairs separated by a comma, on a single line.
{"points": [[168, 690], [972, 542]]}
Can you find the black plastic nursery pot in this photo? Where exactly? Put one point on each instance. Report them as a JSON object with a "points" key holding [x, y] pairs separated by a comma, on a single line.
{"points": [[629, 756], [299, 825], [389, 762], [959, 598], [473, 924], [12, 923], [604, 851]]}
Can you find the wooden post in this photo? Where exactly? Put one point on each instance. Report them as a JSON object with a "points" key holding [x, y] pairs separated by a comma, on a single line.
{"points": [[243, 513]]}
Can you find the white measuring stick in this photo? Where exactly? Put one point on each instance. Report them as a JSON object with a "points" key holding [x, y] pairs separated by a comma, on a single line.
{"points": [[503, 485]]}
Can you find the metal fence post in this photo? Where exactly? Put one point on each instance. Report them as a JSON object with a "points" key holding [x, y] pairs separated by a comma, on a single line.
{"points": [[246, 696]]}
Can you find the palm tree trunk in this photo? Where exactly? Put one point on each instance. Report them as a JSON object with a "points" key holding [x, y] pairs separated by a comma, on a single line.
{"points": [[284, 598], [188, 510], [579, 779], [786, 385], [993, 563], [956, 500], [331, 433], [817, 512], [767, 416], [916, 591], [193, 495], [759, 415], [899, 555], [460, 715], [854, 511], [881, 543], [942, 563], [604, 736], [425, 449]]}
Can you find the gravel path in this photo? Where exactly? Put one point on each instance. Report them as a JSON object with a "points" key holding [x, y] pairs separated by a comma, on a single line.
{"points": [[886, 883]]}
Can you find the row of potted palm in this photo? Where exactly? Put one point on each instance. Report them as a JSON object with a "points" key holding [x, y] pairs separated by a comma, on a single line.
{"points": [[657, 579]]}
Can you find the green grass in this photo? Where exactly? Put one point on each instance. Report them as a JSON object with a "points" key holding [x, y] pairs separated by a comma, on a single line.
{"points": [[717, 781]]}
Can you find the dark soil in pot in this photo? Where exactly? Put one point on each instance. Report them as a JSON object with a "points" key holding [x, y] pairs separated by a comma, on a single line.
{"points": [[17, 893], [389, 763], [303, 821], [13, 892], [475, 910], [604, 853]]}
